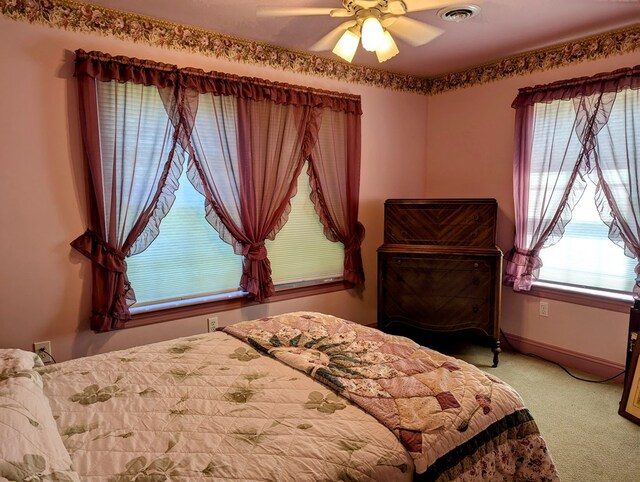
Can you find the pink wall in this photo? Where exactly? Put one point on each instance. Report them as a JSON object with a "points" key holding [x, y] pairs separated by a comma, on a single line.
{"points": [[44, 292], [469, 154], [456, 144]]}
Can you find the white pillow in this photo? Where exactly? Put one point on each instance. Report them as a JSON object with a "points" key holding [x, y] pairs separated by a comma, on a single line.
{"points": [[30, 447]]}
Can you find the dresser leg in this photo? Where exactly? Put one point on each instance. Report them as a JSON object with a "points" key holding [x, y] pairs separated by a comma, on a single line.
{"points": [[496, 351]]}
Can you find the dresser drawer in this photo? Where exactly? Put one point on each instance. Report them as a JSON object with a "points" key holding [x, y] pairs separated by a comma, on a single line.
{"points": [[439, 313], [449, 276], [447, 223]]}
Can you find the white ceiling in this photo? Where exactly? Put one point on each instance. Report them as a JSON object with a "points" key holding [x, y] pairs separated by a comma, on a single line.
{"points": [[503, 27]]}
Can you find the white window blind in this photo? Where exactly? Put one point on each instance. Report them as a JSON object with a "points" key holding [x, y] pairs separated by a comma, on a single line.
{"points": [[301, 252], [187, 259]]}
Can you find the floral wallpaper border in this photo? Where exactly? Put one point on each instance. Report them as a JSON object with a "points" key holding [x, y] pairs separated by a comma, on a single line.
{"points": [[590, 48], [84, 17]]}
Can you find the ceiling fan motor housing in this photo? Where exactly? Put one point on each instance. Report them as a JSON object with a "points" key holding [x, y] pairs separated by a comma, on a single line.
{"points": [[396, 7]]}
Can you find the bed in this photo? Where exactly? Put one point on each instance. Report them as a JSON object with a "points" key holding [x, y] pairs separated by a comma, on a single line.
{"points": [[302, 396]]}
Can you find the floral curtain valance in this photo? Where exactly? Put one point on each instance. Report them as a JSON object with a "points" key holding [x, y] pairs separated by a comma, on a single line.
{"points": [[137, 130]]}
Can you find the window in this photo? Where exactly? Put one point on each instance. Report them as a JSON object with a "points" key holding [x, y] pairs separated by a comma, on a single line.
{"points": [[584, 256], [189, 262], [179, 158], [576, 191]]}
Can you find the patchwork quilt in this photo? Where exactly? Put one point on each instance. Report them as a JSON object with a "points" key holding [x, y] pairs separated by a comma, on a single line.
{"points": [[456, 421]]}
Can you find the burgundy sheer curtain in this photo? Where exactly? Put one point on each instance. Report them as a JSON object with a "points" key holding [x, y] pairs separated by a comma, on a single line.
{"points": [[617, 173], [246, 158], [247, 140], [552, 159], [130, 148], [259, 135], [334, 171]]}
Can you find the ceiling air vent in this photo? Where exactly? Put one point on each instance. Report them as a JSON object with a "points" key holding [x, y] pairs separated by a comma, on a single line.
{"points": [[457, 13]]}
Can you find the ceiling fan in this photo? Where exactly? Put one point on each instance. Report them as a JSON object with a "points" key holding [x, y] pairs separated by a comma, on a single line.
{"points": [[372, 21]]}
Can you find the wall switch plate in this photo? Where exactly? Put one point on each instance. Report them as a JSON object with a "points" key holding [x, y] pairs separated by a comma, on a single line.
{"points": [[212, 324], [544, 308], [40, 347]]}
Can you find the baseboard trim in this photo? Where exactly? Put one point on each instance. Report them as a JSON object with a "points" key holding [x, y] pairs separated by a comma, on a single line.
{"points": [[597, 367]]}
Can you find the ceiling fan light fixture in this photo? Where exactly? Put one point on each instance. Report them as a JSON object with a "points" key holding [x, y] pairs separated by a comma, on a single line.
{"points": [[372, 34], [388, 49], [347, 45]]}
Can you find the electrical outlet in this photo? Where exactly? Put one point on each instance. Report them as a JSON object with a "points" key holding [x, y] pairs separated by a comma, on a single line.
{"points": [[40, 347], [212, 324], [544, 308]]}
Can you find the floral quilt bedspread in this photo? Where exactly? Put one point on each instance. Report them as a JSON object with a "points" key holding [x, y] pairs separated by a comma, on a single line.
{"points": [[457, 422], [210, 407]]}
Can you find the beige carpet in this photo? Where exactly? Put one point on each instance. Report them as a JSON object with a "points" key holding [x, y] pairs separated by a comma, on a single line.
{"points": [[587, 438]]}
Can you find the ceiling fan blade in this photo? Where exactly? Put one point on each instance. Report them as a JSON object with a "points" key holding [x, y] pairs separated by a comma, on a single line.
{"points": [[418, 5], [263, 11], [341, 13], [329, 41], [413, 32]]}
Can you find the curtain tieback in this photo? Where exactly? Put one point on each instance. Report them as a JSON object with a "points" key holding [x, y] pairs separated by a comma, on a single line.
{"points": [[96, 249], [354, 243], [255, 251], [523, 252], [351, 247]]}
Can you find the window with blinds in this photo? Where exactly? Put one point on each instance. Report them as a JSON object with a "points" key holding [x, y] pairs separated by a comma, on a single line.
{"points": [[188, 261], [584, 256], [301, 253]]}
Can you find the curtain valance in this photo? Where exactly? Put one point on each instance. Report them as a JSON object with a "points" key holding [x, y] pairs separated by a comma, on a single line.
{"points": [[106, 67], [579, 87]]}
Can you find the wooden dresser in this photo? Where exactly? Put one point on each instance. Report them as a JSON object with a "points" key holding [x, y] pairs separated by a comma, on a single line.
{"points": [[439, 269]]}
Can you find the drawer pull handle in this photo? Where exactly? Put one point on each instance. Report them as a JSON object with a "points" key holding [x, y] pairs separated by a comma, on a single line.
{"points": [[476, 217], [475, 308], [474, 234], [475, 265], [398, 261], [404, 234]]}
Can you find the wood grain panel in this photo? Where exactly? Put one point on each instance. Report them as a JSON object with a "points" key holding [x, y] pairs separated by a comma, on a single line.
{"points": [[437, 223]]}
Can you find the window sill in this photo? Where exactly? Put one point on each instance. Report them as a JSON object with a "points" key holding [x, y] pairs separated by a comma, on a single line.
{"points": [[232, 302], [605, 300]]}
